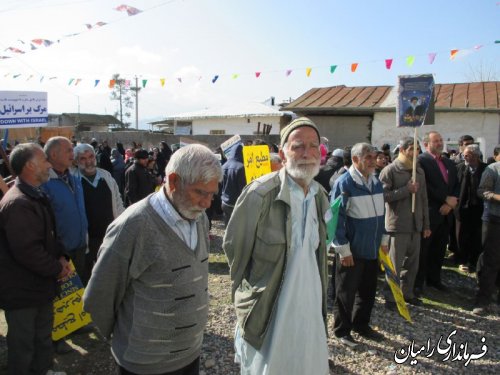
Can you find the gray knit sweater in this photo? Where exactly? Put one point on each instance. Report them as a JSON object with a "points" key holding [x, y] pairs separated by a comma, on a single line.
{"points": [[149, 290]]}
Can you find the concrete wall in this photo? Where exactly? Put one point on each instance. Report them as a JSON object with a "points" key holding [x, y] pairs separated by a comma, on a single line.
{"points": [[484, 127], [236, 125], [343, 131], [148, 139]]}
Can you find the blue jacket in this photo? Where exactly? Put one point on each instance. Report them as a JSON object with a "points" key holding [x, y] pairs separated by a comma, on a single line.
{"points": [[234, 179], [69, 210], [361, 216]]}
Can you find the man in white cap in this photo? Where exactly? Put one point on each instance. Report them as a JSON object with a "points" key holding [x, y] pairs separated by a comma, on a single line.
{"points": [[278, 224]]}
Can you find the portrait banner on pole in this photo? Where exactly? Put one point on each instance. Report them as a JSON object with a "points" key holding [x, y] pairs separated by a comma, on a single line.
{"points": [[415, 104]]}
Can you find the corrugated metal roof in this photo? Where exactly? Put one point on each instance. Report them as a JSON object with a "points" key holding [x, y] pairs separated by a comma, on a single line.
{"points": [[233, 110], [478, 96]]}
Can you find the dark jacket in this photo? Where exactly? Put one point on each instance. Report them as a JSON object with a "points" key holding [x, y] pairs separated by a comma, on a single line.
{"points": [[139, 183], [29, 250], [437, 188], [332, 165], [234, 179], [469, 182]]}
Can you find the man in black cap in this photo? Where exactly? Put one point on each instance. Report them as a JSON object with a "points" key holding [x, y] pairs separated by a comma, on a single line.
{"points": [[139, 182], [278, 223]]}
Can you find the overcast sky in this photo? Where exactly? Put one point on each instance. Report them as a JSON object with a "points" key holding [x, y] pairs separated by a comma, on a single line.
{"points": [[195, 40]]}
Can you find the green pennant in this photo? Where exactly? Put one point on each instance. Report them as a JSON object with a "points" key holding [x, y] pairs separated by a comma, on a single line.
{"points": [[331, 218]]}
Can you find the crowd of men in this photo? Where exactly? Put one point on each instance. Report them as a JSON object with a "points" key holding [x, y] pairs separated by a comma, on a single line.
{"points": [[133, 223]]}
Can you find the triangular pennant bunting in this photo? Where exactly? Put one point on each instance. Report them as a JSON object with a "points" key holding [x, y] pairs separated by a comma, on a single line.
{"points": [[388, 63], [354, 66], [308, 72], [432, 56], [332, 68], [410, 60]]}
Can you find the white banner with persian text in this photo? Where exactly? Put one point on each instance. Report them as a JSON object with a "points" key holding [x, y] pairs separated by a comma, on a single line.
{"points": [[23, 109]]}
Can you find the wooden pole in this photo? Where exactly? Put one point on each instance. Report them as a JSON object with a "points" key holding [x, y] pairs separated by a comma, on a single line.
{"points": [[414, 173]]}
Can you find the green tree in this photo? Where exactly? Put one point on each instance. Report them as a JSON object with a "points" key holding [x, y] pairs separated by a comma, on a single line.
{"points": [[121, 91]]}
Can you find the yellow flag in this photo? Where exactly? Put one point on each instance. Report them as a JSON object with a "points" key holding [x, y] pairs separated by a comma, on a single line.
{"points": [[393, 281], [410, 60], [308, 71]]}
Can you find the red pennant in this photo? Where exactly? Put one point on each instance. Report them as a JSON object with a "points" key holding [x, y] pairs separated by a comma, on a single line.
{"points": [[354, 66], [257, 74], [388, 63]]}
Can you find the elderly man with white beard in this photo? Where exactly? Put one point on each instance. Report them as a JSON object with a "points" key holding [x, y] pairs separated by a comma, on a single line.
{"points": [[276, 247], [149, 286]]}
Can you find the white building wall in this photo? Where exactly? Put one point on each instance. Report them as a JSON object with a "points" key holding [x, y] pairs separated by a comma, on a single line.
{"points": [[484, 127], [236, 125]]}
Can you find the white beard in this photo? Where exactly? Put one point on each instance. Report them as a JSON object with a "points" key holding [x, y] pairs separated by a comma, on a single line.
{"points": [[304, 170], [182, 204]]}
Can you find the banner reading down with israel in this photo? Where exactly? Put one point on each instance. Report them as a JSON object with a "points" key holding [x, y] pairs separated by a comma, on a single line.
{"points": [[23, 109]]}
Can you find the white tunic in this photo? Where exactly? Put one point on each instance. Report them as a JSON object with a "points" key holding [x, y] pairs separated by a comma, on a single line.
{"points": [[295, 342]]}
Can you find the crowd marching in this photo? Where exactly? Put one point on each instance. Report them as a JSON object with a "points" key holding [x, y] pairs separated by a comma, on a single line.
{"points": [[135, 223]]}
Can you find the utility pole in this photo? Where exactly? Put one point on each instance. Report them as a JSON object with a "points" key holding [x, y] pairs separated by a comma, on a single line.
{"points": [[136, 105], [136, 89]]}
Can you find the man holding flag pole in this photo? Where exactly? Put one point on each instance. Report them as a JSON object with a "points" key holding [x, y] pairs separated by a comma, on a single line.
{"points": [[405, 226]]}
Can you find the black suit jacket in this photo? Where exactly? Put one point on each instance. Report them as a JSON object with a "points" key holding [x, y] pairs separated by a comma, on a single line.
{"points": [[437, 188], [463, 174]]}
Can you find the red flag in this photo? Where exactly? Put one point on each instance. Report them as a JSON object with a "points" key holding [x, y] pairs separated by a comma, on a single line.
{"points": [[257, 74], [453, 53], [131, 11], [388, 63], [112, 83], [354, 66]]}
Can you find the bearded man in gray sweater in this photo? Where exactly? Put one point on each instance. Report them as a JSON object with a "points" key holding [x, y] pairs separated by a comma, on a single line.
{"points": [[148, 289]]}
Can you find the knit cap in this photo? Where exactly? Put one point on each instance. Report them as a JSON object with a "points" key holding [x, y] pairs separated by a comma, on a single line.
{"points": [[295, 124]]}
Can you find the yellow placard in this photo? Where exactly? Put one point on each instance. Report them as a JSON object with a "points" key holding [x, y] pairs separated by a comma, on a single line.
{"points": [[69, 315], [256, 161], [393, 281], [68, 307]]}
